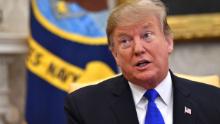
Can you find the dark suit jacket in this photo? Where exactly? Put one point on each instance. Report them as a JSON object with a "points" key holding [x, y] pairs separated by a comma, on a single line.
{"points": [[111, 102]]}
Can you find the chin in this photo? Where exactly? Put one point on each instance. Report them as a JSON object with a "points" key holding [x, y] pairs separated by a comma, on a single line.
{"points": [[148, 76]]}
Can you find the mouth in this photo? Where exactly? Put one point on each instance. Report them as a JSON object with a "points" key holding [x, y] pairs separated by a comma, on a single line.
{"points": [[142, 63]]}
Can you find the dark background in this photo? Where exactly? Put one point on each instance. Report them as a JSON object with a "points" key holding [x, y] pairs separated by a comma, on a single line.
{"points": [[176, 7]]}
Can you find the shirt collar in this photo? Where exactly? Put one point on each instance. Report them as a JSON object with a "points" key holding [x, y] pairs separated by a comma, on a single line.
{"points": [[164, 89], [137, 92]]}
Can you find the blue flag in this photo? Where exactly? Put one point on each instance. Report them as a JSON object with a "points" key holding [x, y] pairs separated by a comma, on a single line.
{"points": [[67, 46]]}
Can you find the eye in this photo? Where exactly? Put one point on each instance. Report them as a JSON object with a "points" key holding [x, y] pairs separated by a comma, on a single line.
{"points": [[147, 36], [125, 42]]}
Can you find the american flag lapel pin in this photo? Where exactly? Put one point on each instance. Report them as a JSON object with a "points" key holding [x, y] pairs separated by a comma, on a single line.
{"points": [[187, 110]]}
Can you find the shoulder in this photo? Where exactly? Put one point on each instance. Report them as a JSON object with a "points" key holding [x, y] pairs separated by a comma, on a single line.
{"points": [[198, 90], [86, 100], [203, 97], [97, 91]]}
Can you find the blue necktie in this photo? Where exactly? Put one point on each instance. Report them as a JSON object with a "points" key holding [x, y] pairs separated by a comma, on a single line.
{"points": [[153, 115]]}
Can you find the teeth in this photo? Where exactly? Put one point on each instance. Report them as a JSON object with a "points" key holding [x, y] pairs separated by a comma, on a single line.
{"points": [[142, 64]]}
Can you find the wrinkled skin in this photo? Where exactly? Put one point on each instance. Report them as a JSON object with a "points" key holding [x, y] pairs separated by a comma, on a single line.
{"points": [[142, 51]]}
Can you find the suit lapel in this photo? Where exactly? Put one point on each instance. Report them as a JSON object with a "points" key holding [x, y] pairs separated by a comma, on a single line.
{"points": [[123, 106], [184, 110]]}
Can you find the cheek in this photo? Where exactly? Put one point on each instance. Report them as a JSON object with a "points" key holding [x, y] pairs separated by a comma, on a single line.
{"points": [[160, 54], [163, 58], [123, 57]]}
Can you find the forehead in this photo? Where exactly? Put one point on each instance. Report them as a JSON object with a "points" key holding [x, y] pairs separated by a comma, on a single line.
{"points": [[148, 23]]}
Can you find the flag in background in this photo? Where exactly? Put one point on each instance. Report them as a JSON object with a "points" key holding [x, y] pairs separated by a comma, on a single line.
{"points": [[66, 46]]}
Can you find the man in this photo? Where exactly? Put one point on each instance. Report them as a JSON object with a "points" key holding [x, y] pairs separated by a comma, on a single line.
{"points": [[146, 92]]}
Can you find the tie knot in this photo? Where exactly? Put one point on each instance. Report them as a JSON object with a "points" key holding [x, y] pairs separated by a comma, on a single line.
{"points": [[151, 95]]}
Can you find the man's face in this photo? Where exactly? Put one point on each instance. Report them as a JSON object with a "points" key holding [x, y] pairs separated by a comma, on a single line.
{"points": [[141, 51]]}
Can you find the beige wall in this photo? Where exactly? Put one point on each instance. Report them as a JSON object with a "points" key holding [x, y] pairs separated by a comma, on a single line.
{"points": [[196, 57]]}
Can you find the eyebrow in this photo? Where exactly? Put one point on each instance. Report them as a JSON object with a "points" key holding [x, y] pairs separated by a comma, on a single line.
{"points": [[147, 26], [122, 35]]}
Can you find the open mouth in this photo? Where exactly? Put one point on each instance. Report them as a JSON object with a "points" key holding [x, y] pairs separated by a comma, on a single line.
{"points": [[142, 63]]}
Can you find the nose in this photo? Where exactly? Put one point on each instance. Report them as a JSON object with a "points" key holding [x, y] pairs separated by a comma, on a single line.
{"points": [[139, 47]]}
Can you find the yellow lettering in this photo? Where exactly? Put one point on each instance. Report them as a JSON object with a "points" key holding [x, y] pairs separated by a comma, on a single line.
{"points": [[64, 75], [34, 57]]}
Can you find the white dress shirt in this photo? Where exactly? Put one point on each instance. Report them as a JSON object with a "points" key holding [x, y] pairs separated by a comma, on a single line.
{"points": [[164, 101]]}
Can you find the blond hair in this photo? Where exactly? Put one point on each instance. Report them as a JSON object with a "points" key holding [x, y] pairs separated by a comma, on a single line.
{"points": [[132, 11]]}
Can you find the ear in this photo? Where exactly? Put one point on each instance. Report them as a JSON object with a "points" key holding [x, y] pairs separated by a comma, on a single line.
{"points": [[170, 43]]}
